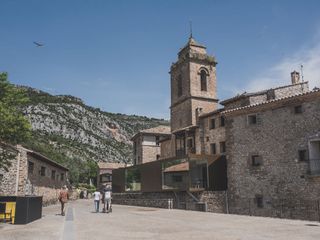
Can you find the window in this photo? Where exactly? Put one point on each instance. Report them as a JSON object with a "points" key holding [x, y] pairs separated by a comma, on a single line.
{"points": [[158, 156], [62, 176], [252, 119], [53, 174], [256, 160], [203, 79], [222, 147], [30, 167], [179, 82], [298, 109], [222, 121], [190, 143], [1, 177], [213, 148], [259, 201], [212, 123], [303, 155], [208, 139], [177, 178], [43, 171], [157, 140]]}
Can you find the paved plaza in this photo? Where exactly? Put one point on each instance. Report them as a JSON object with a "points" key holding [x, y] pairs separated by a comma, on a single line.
{"points": [[127, 222]]}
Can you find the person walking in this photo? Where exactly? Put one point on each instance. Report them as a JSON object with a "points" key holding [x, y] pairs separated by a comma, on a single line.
{"points": [[107, 199], [96, 196], [63, 198]]}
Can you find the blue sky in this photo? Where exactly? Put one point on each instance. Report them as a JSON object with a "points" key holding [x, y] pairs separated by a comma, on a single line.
{"points": [[116, 55]]}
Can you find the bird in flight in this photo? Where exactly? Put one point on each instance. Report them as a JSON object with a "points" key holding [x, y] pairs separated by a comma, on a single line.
{"points": [[38, 44]]}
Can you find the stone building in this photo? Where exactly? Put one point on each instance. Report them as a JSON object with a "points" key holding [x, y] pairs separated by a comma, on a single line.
{"points": [[104, 176], [258, 155], [31, 173], [146, 144]]}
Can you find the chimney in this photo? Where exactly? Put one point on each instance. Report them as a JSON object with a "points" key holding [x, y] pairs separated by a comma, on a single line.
{"points": [[295, 77]]}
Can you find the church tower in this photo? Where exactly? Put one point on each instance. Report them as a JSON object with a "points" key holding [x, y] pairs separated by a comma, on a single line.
{"points": [[193, 85]]}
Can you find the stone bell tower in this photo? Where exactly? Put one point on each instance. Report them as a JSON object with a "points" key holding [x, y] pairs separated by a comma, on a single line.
{"points": [[193, 85]]}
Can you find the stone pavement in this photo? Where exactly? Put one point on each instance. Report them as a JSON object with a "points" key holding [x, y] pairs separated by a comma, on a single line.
{"points": [[128, 222]]}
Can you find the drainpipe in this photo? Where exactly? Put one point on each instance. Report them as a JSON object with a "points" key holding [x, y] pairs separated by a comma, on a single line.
{"points": [[18, 171], [227, 202]]}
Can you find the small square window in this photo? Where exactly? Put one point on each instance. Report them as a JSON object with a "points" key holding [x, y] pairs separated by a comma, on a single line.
{"points": [[298, 109], [259, 201], [222, 121], [303, 155], [212, 123], [252, 119], [256, 160], [213, 148]]}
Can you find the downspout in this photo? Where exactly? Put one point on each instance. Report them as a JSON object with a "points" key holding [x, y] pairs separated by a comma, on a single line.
{"points": [[227, 202], [18, 171]]}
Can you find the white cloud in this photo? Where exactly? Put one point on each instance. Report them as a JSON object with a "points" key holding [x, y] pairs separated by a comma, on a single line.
{"points": [[279, 74]]}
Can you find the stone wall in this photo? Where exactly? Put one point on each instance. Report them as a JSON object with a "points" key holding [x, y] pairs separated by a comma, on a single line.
{"points": [[8, 181], [291, 90], [149, 153], [215, 201], [281, 180], [18, 181], [210, 136]]}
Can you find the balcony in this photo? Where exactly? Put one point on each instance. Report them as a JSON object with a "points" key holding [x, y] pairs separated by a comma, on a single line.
{"points": [[314, 167]]}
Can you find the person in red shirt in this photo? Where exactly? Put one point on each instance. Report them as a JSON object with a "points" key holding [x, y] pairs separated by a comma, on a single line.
{"points": [[63, 198]]}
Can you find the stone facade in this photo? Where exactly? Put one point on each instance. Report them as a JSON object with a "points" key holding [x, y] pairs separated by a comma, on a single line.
{"points": [[265, 145], [33, 174], [146, 144], [280, 178], [203, 201]]}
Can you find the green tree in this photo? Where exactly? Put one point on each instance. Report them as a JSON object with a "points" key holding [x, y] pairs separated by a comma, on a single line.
{"points": [[14, 127]]}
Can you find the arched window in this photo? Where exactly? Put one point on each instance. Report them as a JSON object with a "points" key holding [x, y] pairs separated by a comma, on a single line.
{"points": [[203, 80]]}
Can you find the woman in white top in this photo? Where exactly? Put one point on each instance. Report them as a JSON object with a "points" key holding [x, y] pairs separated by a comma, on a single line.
{"points": [[96, 196]]}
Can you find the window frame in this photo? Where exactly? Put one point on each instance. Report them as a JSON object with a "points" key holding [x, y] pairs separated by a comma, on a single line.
{"points": [[213, 146], [256, 160], [250, 117], [223, 147], [203, 80], [212, 123], [43, 171]]}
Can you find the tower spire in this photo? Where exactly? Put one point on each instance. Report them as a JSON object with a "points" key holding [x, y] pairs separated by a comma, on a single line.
{"points": [[190, 23]]}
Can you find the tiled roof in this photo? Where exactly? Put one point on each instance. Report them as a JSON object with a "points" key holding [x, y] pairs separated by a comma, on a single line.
{"points": [[181, 167], [108, 165], [160, 130], [245, 94], [273, 100]]}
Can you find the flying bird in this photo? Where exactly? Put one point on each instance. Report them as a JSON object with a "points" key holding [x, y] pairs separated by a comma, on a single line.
{"points": [[38, 44]]}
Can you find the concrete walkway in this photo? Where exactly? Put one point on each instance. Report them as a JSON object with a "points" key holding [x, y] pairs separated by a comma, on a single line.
{"points": [[127, 222]]}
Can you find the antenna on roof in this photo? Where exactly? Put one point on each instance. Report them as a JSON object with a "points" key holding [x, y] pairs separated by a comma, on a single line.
{"points": [[190, 23], [301, 69]]}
